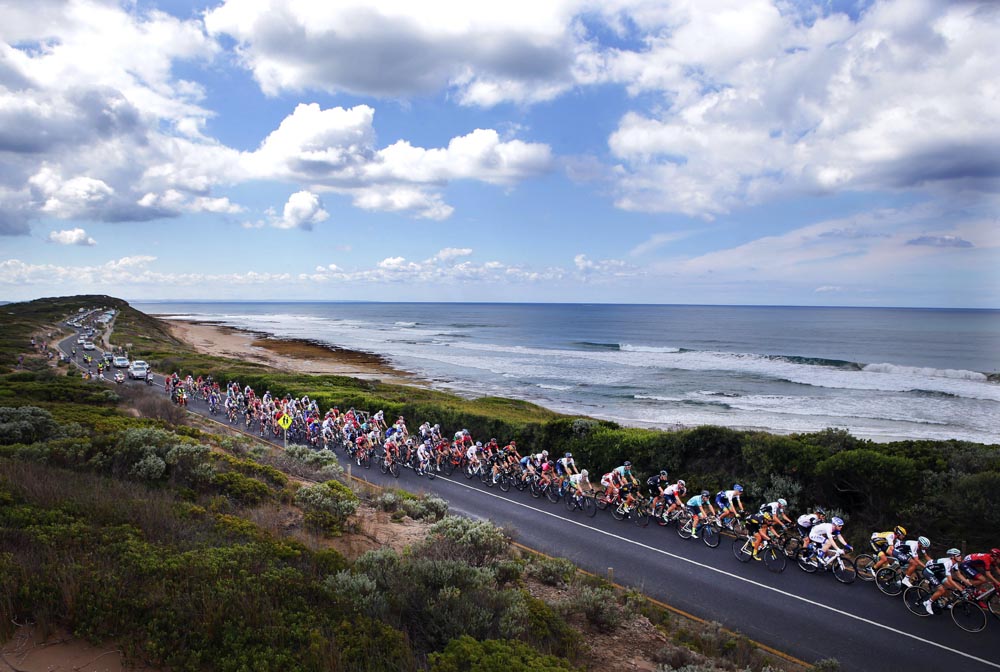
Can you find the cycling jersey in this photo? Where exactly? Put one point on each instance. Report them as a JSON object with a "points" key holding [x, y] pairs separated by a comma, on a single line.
{"points": [[697, 502], [937, 570], [673, 491], [807, 520], [727, 498], [905, 550], [820, 533], [576, 480], [771, 507], [564, 463], [884, 540], [621, 471], [980, 561]]}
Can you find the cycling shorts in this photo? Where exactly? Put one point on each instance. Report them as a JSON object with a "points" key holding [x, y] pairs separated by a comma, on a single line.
{"points": [[560, 469], [935, 577], [606, 480], [803, 531], [695, 510], [902, 554], [817, 538], [967, 571], [879, 544]]}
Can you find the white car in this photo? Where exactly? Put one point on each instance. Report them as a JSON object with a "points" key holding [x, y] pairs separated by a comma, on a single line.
{"points": [[120, 362], [87, 345], [137, 370]]}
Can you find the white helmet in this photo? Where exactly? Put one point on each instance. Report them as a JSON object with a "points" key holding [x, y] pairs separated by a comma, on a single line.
{"points": [[584, 473], [782, 503], [924, 542]]}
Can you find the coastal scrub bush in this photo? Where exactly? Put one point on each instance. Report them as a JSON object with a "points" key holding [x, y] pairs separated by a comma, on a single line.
{"points": [[476, 542], [241, 489], [551, 571], [327, 506], [598, 605], [466, 654], [26, 424]]}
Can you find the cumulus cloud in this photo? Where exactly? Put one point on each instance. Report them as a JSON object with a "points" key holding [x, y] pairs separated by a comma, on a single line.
{"points": [[302, 211], [486, 52], [825, 103], [72, 237]]}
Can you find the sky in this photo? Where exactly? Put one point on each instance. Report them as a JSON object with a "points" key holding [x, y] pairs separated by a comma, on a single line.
{"points": [[775, 152]]}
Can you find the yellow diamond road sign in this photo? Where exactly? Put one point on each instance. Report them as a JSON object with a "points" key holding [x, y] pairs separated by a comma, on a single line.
{"points": [[285, 421]]}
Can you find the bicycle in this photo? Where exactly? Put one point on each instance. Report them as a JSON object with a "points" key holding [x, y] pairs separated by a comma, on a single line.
{"points": [[889, 579], [865, 565], [843, 568], [774, 558], [389, 465], [537, 489], [637, 511], [963, 605], [576, 501], [424, 468], [708, 529]]}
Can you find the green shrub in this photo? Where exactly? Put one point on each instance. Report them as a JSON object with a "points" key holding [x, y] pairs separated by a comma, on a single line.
{"points": [[26, 424], [465, 654], [327, 506], [476, 542], [551, 571], [598, 605], [241, 489]]}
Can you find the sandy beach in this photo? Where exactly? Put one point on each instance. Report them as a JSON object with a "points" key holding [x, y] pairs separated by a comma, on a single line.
{"points": [[295, 355]]}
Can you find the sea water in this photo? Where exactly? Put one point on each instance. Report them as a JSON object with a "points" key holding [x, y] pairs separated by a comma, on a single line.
{"points": [[881, 373]]}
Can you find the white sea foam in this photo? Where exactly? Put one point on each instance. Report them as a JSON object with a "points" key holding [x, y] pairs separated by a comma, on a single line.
{"points": [[628, 347], [558, 388], [959, 374], [405, 324]]}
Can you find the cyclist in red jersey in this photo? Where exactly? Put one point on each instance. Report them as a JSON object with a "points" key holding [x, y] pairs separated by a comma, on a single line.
{"points": [[980, 567]]}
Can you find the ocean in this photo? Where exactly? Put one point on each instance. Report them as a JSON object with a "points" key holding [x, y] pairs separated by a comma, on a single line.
{"points": [[881, 373]]}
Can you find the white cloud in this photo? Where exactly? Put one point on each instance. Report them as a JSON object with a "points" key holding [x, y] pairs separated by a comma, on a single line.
{"points": [[486, 52], [302, 211], [72, 237], [903, 98], [656, 241], [449, 253]]}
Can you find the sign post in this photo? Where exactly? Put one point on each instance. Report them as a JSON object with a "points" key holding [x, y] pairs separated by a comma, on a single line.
{"points": [[285, 421]]}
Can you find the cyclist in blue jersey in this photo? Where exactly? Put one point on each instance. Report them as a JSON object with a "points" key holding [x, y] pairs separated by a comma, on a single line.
{"points": [[696, 505]]}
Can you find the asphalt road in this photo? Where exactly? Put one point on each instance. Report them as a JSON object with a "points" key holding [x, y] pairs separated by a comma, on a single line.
{"points": [[809, 616]]}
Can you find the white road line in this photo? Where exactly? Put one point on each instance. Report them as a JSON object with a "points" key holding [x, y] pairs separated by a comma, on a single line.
{"points": [[733, 576]]}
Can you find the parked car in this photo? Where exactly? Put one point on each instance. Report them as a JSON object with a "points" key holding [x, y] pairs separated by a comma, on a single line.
{"points": [[120, 362], [137, 370]]}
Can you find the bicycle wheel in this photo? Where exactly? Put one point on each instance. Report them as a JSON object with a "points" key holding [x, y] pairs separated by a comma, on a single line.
{"points": [[738, 528], [382, 466], [431, 472], [914, 598], [710, 535], [844, 571], [775, 560], [552, 493], [889, 581], [448, 468], [394, 469], [993, 604], [589, 507], [742, 549], [792, 546], [486, 476], [807, 561], [618, 512], [601, 502], [968, 615], [684, 530], [640, 516], [572, 502], [504, 483], [520, 483], [470, 471], [864, 563], [535, 489]]}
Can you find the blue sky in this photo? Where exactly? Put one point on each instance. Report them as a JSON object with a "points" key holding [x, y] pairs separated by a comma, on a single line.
{"points": [[723, 151]]}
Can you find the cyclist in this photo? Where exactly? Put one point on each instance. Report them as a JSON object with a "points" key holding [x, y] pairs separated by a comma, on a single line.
{"points": [[616, 478], [673, 494], [908, 553], [777, 510], [825, 536], [884, 543], [979, 567], [696, 505], [580, 481], [806, 521], [566, 466], [472, 454], [657, 485], [757, 527], [424, 458], [727, 501], [942, 575]]}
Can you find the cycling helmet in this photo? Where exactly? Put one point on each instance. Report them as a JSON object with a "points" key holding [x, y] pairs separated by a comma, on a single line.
{"points": [[837, 521], [479, 444], [545, 453], [782, 503], [996, 553], [954, 551], [924, 542], [436, 426], [663, 473], [568, 455], [705, 493], [738, 488], [584, 473], [899, 530], [627, 463], [820, 511], [681, 483]]}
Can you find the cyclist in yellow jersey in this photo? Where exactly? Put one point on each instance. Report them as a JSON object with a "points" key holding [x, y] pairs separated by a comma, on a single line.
{"points": [[884, 543]]}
